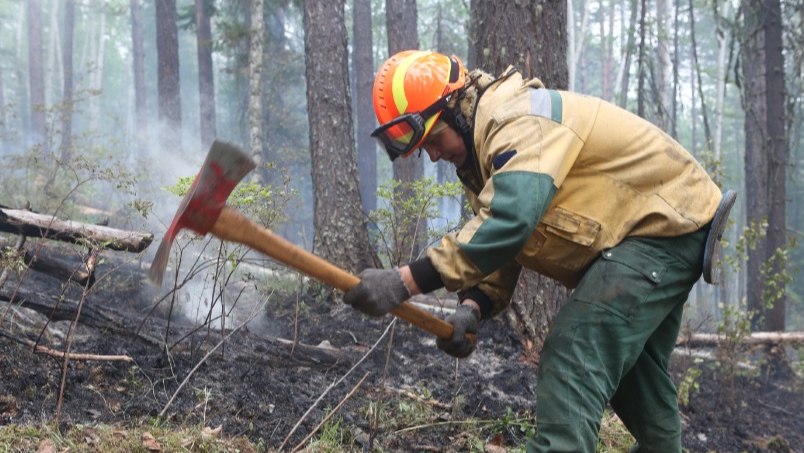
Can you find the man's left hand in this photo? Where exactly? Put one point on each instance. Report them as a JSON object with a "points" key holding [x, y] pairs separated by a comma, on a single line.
{"points": [[379, 291], [465, 320]]}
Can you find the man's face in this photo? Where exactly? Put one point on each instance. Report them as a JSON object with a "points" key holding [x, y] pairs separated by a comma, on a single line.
{"points": [[445, 145]]}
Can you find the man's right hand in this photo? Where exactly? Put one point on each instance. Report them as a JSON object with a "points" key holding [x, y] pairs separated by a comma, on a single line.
{"points": [[379, 291]]}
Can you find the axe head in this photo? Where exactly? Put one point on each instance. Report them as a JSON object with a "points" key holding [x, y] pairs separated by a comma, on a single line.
{"points": [[223, 168]]}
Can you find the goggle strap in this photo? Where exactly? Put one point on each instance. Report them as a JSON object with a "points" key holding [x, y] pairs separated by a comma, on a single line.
{"points": [[436, 107], [454, 70]]}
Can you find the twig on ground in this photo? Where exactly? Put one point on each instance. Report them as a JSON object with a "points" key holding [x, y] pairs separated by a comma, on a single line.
{"points": [[79, 356], [60, 354], [782, 410], [407, 393], [331, 414], [336, 383]]}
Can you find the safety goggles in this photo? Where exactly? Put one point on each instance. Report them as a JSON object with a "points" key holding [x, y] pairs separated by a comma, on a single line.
{"points": [[402, 135]]}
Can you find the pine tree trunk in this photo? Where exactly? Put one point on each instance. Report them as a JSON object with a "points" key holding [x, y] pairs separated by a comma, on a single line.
{"points": [[206, 83], [363, 63], [168, 83], [67, 59], [535, 44], [257, 38], [401, 20], [778, 157], [756, 157], [140, 108], [36, 79], [341, 236], [628, 52]]}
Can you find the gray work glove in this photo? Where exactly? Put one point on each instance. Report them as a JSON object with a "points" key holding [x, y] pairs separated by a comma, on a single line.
{"points": [[379, 291], [465, 320]]}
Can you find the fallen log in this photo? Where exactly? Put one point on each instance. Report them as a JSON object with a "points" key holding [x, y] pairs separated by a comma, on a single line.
{"points": [[700, 340], [48, 261], [247, 347], [45, 226]]}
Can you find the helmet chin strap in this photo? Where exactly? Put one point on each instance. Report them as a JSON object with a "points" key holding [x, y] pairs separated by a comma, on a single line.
{"points": [[457, 121]]}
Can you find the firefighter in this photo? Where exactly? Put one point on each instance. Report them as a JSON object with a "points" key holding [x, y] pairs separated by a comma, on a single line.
{"points": [[578, 190]]}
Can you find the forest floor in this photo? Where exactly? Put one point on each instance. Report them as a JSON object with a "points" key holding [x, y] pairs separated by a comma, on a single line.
{"points": [[274, 393]]}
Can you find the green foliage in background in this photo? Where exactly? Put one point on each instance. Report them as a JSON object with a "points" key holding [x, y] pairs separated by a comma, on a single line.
{"points": [[393, 220]]}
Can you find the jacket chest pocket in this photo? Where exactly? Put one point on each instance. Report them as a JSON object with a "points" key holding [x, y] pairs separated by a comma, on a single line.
{"points": [[565, 239]]}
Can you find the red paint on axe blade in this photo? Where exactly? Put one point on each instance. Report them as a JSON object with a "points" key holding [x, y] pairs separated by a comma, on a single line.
{"points": [[223, 168]]}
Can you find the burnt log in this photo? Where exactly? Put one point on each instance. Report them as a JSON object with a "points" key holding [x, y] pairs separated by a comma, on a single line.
{"points": [[245, 346], [50, 261], [49, 227]]}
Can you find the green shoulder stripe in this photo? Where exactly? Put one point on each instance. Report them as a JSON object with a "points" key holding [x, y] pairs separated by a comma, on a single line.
{"points": [[546, 103], [520, 199]]}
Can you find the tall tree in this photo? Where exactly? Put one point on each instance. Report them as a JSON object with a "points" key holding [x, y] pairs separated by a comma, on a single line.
{"points": [[341, 235], [36, 81], [168, 82], [4, 139], [401, 22], [628, 52], [256, 40], [779, 156], [66, 146], [363, 63], [664, 10], [697, 67], [766, 153], [96, 76], [535, 44], [206, 82], [138, 61], [642, 59]]}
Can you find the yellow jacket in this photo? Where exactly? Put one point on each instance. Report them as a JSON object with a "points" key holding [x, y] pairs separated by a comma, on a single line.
{"points": [[557, 178]]}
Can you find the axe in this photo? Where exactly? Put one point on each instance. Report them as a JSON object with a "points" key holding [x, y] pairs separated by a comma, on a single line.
{"points": [[203, 210]]}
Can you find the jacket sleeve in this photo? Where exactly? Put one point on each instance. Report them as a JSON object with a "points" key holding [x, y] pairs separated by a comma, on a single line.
{"points": [[494, 292], [526, 157]]}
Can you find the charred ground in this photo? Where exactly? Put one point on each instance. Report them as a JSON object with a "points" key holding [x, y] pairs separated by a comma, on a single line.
{"points": [[260, 387]]}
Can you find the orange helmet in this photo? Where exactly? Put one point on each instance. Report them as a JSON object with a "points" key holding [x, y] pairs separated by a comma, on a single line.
{"points": [[410, 91]]}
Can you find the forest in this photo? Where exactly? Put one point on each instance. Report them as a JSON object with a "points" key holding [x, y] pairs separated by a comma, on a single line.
{"points": [[108, 109]]}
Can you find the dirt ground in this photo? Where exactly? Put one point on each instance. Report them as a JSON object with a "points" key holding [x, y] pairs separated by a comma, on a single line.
{"points": [[258, 387]]}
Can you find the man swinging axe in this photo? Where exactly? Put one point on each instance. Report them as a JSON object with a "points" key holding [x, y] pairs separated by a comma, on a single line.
{"points": [[578, 190]]}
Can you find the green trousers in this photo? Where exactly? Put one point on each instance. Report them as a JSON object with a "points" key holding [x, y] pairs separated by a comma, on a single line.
{"points": [[611, 343]]}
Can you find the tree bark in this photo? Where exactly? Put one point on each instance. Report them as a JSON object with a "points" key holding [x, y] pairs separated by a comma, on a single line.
{"points": [[48, 260], [4, 139], [642, 60], [206, 81], [36, 79], [66, 147], [341, 235], [256, 40], [697, 66], [778, 154], [53, 68], [168, 82], [401, 22], [363, 63], [138, 62], [529, 35], [628, 52], [766, 154]]}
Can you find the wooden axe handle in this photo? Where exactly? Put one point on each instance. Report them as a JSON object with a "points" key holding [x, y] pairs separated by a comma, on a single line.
{"points": [[233, 226]]}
